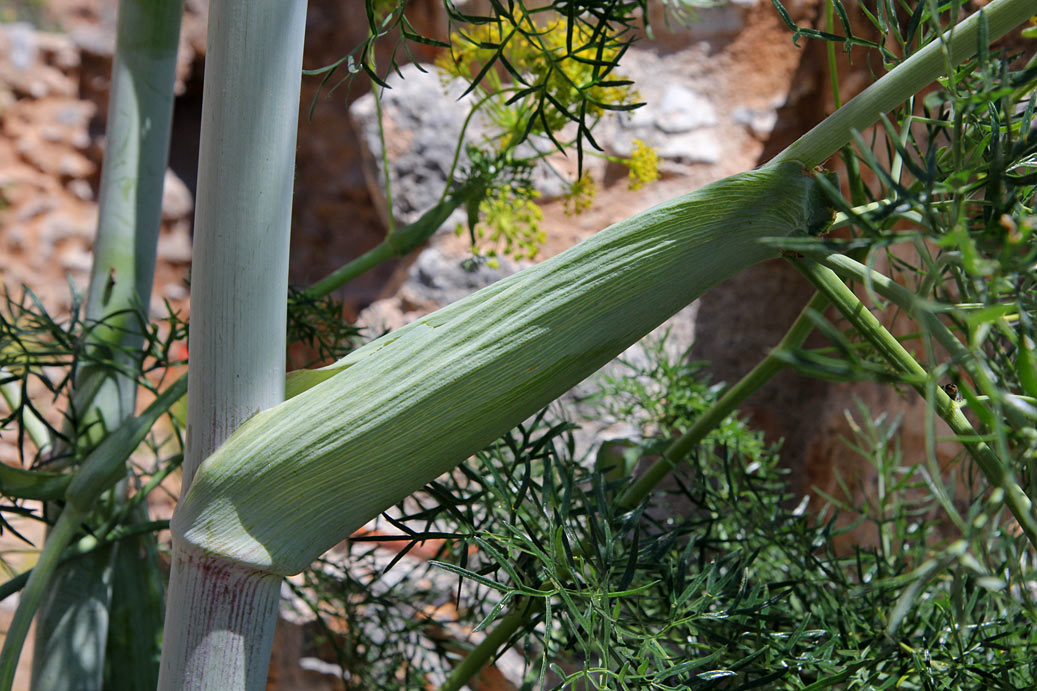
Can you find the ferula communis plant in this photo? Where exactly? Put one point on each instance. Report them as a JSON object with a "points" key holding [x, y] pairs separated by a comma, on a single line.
{"points": [[407, 407]]}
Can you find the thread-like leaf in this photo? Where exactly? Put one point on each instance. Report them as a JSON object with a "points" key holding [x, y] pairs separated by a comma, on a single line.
{"points": [[301, 476]]}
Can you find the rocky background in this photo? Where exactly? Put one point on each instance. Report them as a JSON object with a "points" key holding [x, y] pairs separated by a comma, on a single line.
{"points": [[723, 95]]}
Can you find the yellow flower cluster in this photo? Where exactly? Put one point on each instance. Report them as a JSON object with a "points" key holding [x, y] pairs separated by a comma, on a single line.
{"points": [[510, 225], [580, 196], [560, 81], [643, 165]]}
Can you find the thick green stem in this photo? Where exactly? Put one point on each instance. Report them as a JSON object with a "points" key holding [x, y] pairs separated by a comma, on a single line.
{"points": [[220, 615], [904, 81], [344, 274], [140, 115], [994, 468], [917, 308], [483, 653], [390, 220]]}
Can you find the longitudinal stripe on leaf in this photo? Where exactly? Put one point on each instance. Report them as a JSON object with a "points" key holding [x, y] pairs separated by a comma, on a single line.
{"points": [[393, 415]]}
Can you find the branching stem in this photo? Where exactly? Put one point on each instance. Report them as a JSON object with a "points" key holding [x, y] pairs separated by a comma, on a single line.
{"points": [[867, 324]]}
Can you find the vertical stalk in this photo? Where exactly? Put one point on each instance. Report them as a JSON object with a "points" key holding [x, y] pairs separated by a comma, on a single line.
{"points": [[72, 624], [140, 113], [220, 615]]}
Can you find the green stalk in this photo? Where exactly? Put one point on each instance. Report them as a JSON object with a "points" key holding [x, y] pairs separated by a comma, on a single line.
{"points": [[140, 114], [390, 219], [853, 171], [398, 243], [994, 468], [482, 654], [381, 252], [903, 81], [220, 615], [36, 587], [914, 306], [759, 375], [918, 309], [71, 629]]}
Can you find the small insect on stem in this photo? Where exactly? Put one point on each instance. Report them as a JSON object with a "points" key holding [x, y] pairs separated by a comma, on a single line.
{"points": [[109, 284], [952, 391]]}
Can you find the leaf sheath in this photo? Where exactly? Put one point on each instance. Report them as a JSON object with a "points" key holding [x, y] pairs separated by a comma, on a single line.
{"points": [[301, 476]]}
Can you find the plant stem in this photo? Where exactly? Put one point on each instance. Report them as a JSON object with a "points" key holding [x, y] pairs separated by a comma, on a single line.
{"points": [[922, 312], [35, 588], [481, 654], [913, 305], [220, 615], [229, 613], [905, 80], [398, 243], [993, 467], [853, 172], [140, 115], [73, 618], [344, 274], [390, 220], [759, 375], [243, 213]]}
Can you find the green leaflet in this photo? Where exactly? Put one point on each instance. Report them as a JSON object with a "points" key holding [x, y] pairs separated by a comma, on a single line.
{"points": [[393, 415]]}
